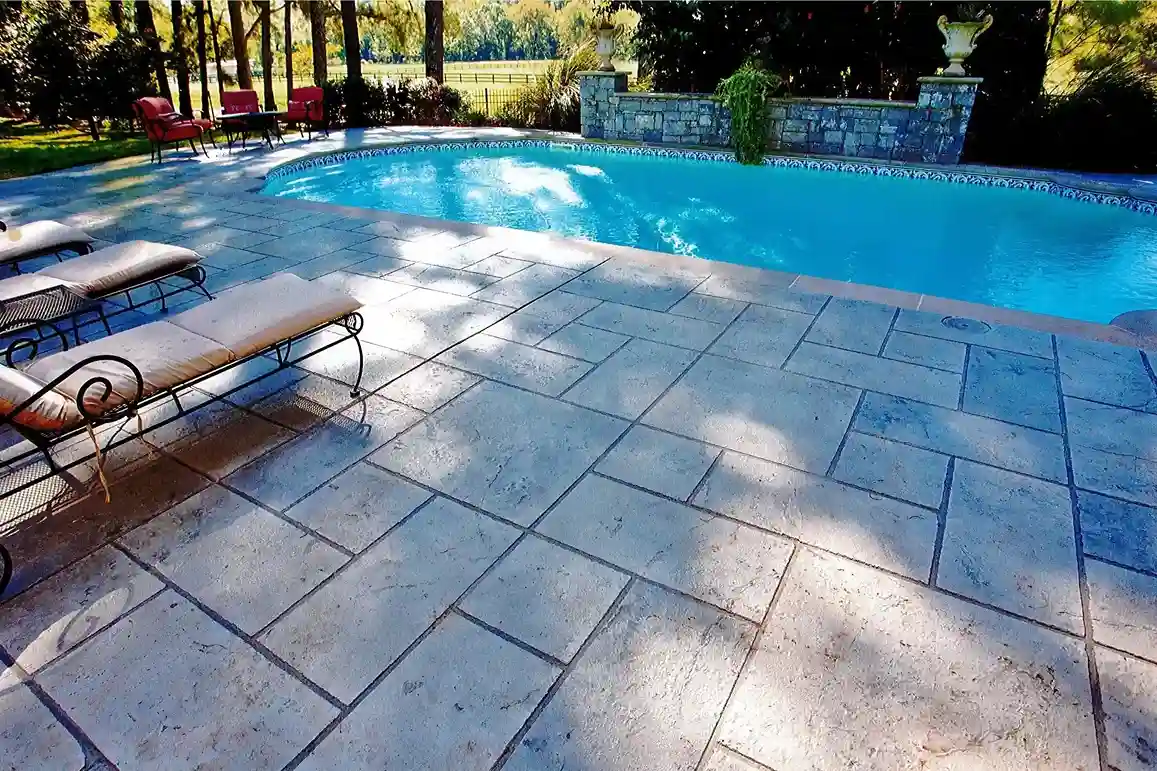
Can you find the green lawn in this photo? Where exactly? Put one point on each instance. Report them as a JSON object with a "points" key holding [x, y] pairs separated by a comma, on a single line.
{"points": [[27, 148]]}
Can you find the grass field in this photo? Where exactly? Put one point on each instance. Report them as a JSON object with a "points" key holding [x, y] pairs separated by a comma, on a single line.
{"points": [[26, 148]]}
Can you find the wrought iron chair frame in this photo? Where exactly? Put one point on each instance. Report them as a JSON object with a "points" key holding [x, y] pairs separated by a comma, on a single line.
{"points": [[194, 274], [44, 441]]}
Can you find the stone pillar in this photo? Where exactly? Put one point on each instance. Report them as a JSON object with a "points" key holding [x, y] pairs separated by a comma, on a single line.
{"points": [[940, 120], [595, 105]]}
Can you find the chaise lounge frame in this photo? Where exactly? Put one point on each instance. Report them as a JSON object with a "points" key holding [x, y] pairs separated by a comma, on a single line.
{"points": [[25, 315], [44, 441]]}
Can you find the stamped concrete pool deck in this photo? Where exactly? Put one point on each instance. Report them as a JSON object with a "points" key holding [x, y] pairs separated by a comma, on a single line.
{"points": [[601, 510]]}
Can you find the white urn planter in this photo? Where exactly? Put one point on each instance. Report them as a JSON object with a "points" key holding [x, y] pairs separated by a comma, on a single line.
{"points": [[605, 48], [960, 40]]}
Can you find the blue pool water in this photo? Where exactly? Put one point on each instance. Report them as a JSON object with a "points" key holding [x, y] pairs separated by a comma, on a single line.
{"points": [[1013, 248]]}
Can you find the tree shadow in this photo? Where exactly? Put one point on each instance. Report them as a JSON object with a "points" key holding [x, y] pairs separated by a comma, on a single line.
{"points": [[858, 662]]}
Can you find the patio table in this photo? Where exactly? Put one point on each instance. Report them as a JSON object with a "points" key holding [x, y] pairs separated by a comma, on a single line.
{"points": [[240, 123]]}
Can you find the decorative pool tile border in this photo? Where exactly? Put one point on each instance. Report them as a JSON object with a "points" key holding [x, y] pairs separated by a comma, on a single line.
{"points": [[725, 156]]}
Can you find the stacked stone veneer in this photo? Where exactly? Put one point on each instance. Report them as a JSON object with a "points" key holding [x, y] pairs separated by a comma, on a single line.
{"points": [[929, 130]]}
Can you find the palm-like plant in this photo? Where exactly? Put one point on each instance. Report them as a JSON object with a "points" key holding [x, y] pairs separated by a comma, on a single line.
{"points": [[552, 101]]}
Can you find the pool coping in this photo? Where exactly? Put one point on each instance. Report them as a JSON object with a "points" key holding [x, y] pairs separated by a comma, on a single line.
{"points": [[991, 314], [1062, 184]]}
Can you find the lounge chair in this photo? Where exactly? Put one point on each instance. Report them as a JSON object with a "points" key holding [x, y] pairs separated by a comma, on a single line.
{"points": [[163, 125], [40, 239], [72, 288], [64, 395]]}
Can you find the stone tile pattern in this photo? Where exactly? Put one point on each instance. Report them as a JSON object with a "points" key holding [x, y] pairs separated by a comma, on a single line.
{"points": [[929, 130], [720, 448]]}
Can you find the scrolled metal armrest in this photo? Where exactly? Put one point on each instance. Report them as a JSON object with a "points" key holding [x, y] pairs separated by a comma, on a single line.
{"points": [[353, 322], [29, 343], [3, 227], [83, 391]]}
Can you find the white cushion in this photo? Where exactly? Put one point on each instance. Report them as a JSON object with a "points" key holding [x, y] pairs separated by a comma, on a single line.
{"points": [[119, 266], [50, 412], [250, 317], [166, 355], [40, 237], [26, 283]]}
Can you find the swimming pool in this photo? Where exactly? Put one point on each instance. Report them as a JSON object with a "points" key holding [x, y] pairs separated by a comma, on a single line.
{"points": [[1014, 248]]}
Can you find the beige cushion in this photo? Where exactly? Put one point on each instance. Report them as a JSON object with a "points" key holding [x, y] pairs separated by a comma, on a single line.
{"points": [[165, 355], [121, 265], [39, 237], [26, 283], [251, 317], [50, 412]]}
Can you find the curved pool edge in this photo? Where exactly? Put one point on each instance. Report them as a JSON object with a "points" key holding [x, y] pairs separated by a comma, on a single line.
{"points": [[1088, 330], [1051, 182]]}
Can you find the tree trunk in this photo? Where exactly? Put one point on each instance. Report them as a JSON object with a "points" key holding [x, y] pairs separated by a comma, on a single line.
{"points": [[81, 7], [216, 52], [116, 12], [433, 50], [353, 41], [240, 45], [202, 63], [1058, 14], [181, 58], [266, 54], [288, 48], [317, 42], [148, 30]]}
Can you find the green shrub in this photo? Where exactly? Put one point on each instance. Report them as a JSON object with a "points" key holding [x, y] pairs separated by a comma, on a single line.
{"points": [[745, 94], [1105, 124], [469, 116], [366, 102]]}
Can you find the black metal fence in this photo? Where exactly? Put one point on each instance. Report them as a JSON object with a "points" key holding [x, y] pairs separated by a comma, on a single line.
{"points": [[486, 92], [491, 101]]}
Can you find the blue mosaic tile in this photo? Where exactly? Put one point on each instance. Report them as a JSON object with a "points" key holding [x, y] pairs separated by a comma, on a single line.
{"points": [[726, 156]]}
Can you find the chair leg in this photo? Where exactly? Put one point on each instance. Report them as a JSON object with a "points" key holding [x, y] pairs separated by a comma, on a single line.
{"points": [[104, 319], [192, 146], [206, 152], [5, 569], [361, 365]]}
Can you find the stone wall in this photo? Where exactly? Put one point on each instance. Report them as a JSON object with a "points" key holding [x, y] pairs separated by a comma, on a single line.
{"points": [[929, 130]]}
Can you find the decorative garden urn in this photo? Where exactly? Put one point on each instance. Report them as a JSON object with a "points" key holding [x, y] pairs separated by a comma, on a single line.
{"points": [[960, 40], [605, 47]]}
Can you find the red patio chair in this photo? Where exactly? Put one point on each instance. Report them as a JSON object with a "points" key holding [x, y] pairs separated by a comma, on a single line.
{"points": [[240, 101], [307, 106], [163, 125], [235, 103]]}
